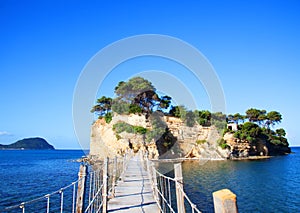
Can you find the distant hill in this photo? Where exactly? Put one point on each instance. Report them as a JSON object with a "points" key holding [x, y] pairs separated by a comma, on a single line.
{"points": [[29, 143]]}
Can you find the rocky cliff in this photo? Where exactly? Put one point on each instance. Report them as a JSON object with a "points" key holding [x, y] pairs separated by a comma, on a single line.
{"points": [[243, 148], [260, 147], [180, 141]]}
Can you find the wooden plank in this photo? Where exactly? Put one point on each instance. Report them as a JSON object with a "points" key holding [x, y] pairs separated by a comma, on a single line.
{"points": [[133, 194]]}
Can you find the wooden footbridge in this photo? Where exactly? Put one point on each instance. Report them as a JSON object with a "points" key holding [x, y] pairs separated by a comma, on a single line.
{"points": [[134, 192], [129, 184]]}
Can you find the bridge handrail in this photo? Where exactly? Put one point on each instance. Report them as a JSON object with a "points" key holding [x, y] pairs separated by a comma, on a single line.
{"points": [[98, 180], [104, 184], [161, 185], [47, 196], [92, 173]]}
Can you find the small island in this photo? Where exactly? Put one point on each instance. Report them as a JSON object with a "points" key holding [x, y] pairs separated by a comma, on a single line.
{"points": [[36, 143], [138, 118]]}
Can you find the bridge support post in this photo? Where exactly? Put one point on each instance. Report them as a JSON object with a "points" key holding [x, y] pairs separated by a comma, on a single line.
{"points": [[80, 189], [154, 179], [114, 177], [105, 185], [225, 201], [179, 188], [124, 167]]}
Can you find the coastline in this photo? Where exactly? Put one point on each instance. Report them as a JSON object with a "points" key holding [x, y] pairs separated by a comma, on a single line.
{"points": [[251, 158], [179, 160]]}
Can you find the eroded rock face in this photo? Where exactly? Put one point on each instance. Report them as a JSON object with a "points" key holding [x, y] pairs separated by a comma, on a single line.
{"points": [[243, 149], [105, 142], [190, 140]]}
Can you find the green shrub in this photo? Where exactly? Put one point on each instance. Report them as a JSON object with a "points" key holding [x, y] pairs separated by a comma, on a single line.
{"points": [[237, 135], [243, 136], [250, 139], [224, 146], [139, 130], [228, 130], [125, 127], [133, 108], [108, 117], [276, 142], [187, 116], [200, 142], [154, 134], [203, 117], [122, 127], [120, 107], [280, 142], [177, 111], [222, 143], [252, 132], [158, 127], [118, 137], [204, 122]]}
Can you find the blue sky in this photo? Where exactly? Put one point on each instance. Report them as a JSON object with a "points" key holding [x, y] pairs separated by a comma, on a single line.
{"points": [[253, 45]]}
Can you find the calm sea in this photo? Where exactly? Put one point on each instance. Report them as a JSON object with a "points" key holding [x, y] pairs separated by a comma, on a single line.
{"points": [[28, 174], [271, 185]]}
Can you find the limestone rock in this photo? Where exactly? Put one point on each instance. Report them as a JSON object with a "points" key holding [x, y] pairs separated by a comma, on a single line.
{"points": [[244, 149], [105, 142]]}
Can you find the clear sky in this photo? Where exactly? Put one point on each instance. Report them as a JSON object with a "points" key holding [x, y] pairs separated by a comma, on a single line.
{"points": [[254, 47]]}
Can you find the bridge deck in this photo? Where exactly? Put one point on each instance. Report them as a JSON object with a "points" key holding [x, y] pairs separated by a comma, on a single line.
{"points": [[134, 194]]}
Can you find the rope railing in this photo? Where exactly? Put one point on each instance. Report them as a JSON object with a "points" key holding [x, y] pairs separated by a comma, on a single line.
{"points": [[163, 189], [102, 184], [94, 187], [47, 200], [191, 204], [166, 184], [97, 185]]}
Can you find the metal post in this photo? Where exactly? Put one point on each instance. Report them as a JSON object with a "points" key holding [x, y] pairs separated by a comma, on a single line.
{"points": [[80, 189], [105, 185], [114, 177], [225, 201], [22, 206], [179, 188]]}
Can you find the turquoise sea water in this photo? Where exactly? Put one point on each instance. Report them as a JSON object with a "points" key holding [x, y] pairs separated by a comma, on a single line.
{"points": [[271, 185]]}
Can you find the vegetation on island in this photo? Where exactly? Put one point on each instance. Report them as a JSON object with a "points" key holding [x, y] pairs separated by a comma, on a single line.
{"points": [[139, 96], [29, 143], [125, 127], [257, 125]]}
